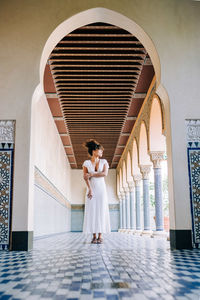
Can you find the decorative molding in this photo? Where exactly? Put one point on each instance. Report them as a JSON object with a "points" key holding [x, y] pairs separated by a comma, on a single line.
{"points": [[157, 157], [137, 179], [139, 95], [131, 185], [112, 206], [58, 118], [51, 95], [42, 181], [193, 130], [145, 170], [126, 190], [7, 131]]}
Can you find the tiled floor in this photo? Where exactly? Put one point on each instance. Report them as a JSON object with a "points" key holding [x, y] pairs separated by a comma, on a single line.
{"points": [[67, 266]]}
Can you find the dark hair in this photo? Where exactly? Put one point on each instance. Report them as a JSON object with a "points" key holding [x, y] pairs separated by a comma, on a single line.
{"points": [[92, 145]]}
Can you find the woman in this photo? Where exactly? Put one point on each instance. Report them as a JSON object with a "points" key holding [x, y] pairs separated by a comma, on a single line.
{"points": [[96, 219]]}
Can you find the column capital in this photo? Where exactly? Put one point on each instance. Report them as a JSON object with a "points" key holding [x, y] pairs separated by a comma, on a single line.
{"points": [[126, 190], [156, 158], [131, 186], [122, 194], [145, 170], [119, 196], [137, 179]]}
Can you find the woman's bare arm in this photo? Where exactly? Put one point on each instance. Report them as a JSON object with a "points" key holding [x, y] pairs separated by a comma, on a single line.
{"points": [[99, 174], [86, 178]]}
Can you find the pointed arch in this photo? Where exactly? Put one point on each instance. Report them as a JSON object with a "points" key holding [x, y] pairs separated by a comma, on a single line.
{"points": [[129, 167], [156, 126], [100, 14], [135, 158], [144, 158]]}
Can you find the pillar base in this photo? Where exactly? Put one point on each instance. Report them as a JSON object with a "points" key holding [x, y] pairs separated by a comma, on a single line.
{"points": [[138, 232], [159, 233], [22, 241], [180, 239], [132, 231], [147, 232]]}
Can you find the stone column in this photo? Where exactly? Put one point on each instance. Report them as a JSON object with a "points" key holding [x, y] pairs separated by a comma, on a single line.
{"points": [[145, 170], [127, 197], [156, 158], [123, 210], [120, 211], [137, 180], [132, 205]]}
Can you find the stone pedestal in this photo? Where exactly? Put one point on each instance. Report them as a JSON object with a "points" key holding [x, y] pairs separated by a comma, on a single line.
{"points": [[120, 211], [127, 197], [137, 180], [145, 170], [132, 205], [156, 158], [123, 210]]}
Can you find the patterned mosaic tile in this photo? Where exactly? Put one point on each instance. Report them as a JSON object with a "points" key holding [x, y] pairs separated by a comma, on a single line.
{"points": [[194, 176], [6, 157], [67, 266]]}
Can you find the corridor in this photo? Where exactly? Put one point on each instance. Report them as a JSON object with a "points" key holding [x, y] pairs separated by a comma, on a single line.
{"points": [[67, 266]]}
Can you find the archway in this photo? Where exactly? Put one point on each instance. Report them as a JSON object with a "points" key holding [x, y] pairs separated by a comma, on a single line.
{"points": [[111, 17]]}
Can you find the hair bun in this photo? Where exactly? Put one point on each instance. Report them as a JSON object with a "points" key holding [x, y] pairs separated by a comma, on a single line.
{"points": [[92, 145]]}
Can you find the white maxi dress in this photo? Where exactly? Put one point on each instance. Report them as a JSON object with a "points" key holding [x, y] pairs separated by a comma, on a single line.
{"points": [[96, 217]]}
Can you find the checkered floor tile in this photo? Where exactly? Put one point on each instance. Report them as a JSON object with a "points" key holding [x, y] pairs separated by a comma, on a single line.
{"points": [[68, 266]]}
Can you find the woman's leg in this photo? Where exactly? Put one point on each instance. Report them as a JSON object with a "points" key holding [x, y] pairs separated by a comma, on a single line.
{"points": [[99, 240], [94, 240]]}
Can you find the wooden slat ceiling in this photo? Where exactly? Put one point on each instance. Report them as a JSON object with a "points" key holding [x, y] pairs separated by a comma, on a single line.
{"points": [[95, 82]]}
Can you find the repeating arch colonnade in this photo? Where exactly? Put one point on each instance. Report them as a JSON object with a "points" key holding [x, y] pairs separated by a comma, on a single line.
{"points": [[133, 165], [145, 149]]}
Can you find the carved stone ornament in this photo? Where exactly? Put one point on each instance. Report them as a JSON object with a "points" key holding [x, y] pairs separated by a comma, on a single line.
{"points": [[157, 157], [137, 179], [193, 130], [126, 190], [131, 186], [7, 129], [145, 170]]}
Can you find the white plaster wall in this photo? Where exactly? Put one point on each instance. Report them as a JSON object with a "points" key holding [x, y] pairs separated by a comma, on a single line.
{"points": [[50, 215], [78, 187], [49, 154]]}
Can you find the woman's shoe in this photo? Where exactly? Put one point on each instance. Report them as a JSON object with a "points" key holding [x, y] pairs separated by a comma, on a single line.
{"points": [[99, 241], [94, 241]]}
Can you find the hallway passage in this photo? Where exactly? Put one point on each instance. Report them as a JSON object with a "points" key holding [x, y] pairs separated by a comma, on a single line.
{"points": [[67, 266]]}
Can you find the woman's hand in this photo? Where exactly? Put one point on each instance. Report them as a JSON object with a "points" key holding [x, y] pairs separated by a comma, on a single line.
{"points": [[89, 194], [87, 176]]}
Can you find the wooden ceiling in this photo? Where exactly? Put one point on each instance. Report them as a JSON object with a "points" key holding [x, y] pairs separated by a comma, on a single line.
{"points": [[95, 82]]}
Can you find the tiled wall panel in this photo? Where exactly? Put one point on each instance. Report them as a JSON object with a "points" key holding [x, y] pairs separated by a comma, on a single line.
{"points": [[193, 152], [6, 179]]}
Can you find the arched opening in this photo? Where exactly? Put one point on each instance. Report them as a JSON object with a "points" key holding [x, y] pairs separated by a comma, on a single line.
{"points": [[158, 155], [129, 168], [157, 141], [124, 178], [109, 17], [144, 158], [135, 159], [120, 180]]}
